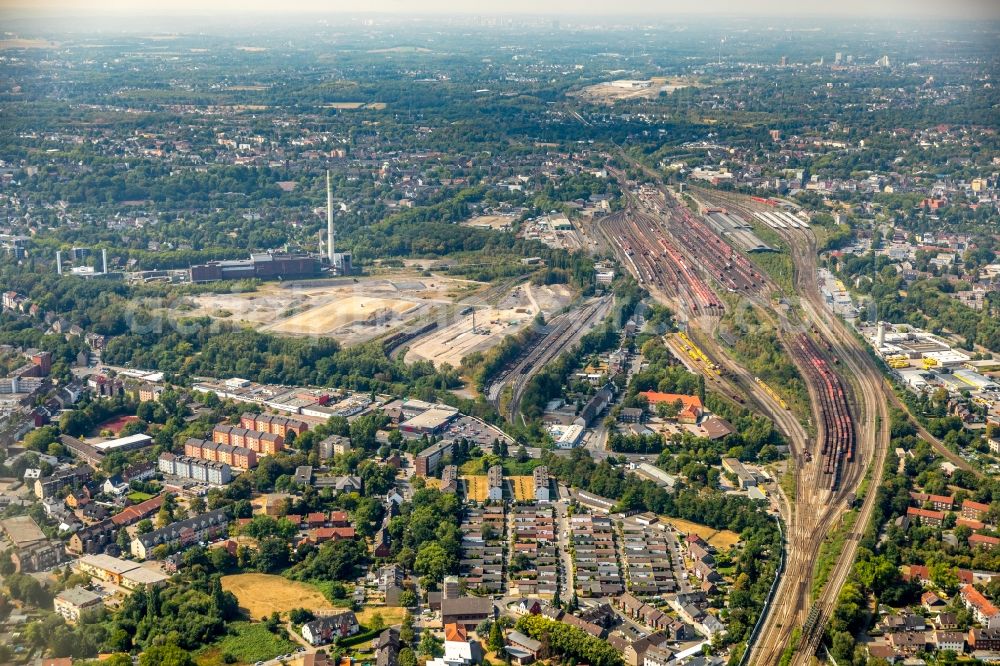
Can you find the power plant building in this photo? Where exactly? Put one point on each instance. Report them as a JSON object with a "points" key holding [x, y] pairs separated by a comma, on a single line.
{"points": [[263, 265]]}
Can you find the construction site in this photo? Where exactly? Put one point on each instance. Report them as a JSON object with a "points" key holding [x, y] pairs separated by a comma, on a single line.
{"points": [[610, 92], [479, 327], [344, 309]]}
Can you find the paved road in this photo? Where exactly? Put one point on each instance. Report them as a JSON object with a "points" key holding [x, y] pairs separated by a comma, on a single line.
{"points": [[566, 582]]}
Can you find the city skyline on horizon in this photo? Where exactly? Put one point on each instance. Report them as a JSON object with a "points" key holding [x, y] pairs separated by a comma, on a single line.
{"points": [[921, 9]]}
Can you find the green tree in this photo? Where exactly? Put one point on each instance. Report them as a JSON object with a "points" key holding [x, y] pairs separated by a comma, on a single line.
{"points": [[432, 561], [407, 657], [430, 645], [165, 655], [495, 642]]}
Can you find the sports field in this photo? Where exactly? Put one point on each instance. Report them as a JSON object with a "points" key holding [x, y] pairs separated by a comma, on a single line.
{"points": [[262, 594]]}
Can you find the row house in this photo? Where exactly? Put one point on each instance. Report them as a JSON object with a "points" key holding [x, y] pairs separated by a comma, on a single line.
{"points": [[181, 533], [974, 510], [205, 471], [237, 456], [51, 486], [136, 512], [273, 424], [983, 609], [329, 628], [927, 517], [985, 639], [261, 442], [93, 538], [983, 541], [38, 556], [938, 502]]}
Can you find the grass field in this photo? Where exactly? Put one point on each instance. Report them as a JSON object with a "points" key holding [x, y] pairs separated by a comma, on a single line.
{"points": [[262, 594], [138, 497], [390, 615], [524, 488], [719, 539], [248, 642], [472, 467], [513, 468], [476, 488], [326, 318]]}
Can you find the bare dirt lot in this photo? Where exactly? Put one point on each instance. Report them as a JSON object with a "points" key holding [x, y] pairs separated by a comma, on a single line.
{"points": [[348, 310], [451, 343], [325, 319], [490, 221], [607, 93]]}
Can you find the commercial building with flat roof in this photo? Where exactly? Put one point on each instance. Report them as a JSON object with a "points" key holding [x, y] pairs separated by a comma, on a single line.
{"points": [[22, 531], [129, 443], [429, 422], [736, 468]]}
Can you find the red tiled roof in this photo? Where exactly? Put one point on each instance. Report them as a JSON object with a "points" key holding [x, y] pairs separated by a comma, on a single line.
{"points": [[976, 598], [138, 511], [455, 632], [975, 506], [925, 513], [687, 401]]}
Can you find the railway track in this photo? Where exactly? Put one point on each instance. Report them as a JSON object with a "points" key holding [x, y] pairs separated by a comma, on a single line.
{"points": [[565, 330], [819, 504]]}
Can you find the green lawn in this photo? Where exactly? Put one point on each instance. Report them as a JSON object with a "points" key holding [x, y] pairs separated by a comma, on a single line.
{"points": [[248, 642], [137, 497], [474, 467]]}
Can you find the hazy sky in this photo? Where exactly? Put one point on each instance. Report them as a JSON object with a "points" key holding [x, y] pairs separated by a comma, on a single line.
{"points": [[940, 9]]}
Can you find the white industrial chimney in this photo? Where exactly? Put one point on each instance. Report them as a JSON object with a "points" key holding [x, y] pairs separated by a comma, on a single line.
{"points": [[59, 262], [330, 238], [104, 260], [881, 334]]}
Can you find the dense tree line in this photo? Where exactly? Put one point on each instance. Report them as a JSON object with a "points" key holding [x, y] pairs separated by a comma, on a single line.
{"points": [[569, 641]]}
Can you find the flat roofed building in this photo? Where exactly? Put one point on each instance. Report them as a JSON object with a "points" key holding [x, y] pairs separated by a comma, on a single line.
{"points": [[429, 422], [143, 577], [130, 443], [75, 602], [22, 531], [742, 474], [426, 461], [105, 567]]}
